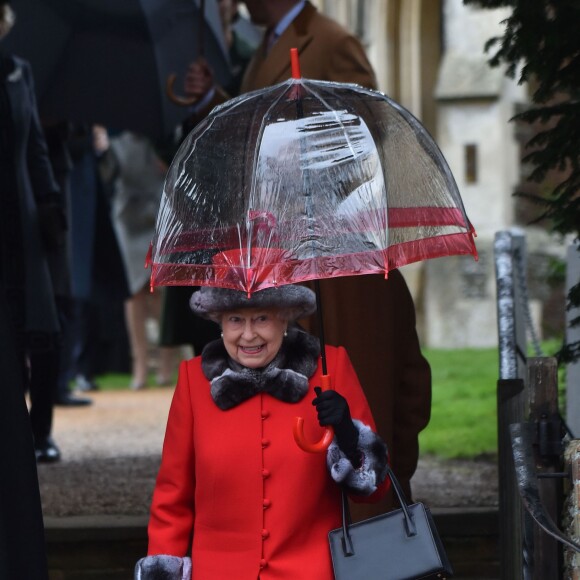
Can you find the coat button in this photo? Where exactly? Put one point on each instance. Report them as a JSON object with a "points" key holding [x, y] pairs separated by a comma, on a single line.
{"points": [[265, 414], [266, 503], [265, 443], [263, 563], [265, 533], [265, 473]]}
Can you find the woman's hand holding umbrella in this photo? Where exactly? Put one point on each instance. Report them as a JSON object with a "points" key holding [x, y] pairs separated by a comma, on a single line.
{"points": [[333, 410]]}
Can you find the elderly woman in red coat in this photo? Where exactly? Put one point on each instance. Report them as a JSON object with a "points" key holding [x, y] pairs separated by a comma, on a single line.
{"points": [[234, 491]]}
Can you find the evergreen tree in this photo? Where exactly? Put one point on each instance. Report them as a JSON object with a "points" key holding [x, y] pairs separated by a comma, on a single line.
{"points": [[541, 45]]}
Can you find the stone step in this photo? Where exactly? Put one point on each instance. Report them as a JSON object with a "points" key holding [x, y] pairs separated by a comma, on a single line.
{"points": [[107, 547]]}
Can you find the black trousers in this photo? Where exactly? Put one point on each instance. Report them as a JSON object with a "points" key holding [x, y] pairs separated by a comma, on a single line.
{"points": [[42, 386], [45, 367]]}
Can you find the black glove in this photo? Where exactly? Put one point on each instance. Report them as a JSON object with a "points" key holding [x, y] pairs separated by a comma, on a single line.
{"points": [[333, 410]]}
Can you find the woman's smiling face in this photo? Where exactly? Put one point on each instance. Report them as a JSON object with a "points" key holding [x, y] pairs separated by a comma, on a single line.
{"points": [[253, 336]]}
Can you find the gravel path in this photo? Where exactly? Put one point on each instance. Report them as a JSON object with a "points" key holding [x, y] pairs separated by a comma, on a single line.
{"points": [[111, 452]]}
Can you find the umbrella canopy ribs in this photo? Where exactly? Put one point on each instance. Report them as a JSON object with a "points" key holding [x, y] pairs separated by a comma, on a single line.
{"points": [[261, 194]]}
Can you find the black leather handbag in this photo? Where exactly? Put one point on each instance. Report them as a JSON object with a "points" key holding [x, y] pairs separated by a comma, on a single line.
{"points": [[400, 545]]}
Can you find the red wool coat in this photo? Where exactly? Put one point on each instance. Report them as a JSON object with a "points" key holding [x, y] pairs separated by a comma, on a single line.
{"points": [[234, 487]]}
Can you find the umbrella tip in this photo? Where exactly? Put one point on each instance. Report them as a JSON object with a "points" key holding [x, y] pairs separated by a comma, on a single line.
{"points": [[295, 63]]}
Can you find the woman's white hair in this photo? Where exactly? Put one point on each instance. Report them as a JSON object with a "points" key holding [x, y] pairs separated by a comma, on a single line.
{"points": [[7, 19]]}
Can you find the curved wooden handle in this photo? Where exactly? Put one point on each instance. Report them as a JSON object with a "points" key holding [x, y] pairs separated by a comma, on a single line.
{"points": [[298, 429], [182, 101], [318, 447]]}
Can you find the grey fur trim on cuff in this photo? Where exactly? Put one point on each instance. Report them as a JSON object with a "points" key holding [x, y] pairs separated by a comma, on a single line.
{"points": [[373, 469], [163, 567]]}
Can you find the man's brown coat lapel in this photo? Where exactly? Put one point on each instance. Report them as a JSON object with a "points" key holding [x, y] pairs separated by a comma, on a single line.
{"points": [[267, 69]]}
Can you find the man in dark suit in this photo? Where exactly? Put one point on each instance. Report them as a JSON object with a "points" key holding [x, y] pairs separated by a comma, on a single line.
{"points": [[373, 318]]}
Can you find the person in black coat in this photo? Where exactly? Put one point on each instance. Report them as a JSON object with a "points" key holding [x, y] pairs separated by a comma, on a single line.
{"points": [[33, 228], [28, 318]]}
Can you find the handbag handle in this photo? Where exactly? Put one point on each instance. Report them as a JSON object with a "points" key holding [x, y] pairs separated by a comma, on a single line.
{"points": [[410, 527]]}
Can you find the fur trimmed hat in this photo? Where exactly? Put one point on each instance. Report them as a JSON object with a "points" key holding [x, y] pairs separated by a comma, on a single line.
{"points": [[295, 301]]}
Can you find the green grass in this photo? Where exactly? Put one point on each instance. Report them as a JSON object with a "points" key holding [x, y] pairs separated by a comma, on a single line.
{"points": [[463, 413], [113, 382], [120, 381], [464, 408]]}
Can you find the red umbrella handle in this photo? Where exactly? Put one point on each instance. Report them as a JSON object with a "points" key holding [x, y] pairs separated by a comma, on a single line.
{"points": [[298, 430]]}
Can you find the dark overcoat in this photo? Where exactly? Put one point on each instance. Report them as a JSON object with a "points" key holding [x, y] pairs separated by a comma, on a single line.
{"points": [[25, 180], [27, 311]]}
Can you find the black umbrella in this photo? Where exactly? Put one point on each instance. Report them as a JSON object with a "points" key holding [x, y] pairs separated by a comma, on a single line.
{"points": [[107, 61]]}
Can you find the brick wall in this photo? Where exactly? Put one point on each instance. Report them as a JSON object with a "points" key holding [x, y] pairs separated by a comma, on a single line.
{"points": [[571, 517]]}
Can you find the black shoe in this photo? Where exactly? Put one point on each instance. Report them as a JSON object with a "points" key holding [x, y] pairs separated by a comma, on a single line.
{"points": [[70, 401], [46, 451]]}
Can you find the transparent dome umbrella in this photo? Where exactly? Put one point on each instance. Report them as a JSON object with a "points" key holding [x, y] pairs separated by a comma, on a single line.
{"points": [[302, 181]]}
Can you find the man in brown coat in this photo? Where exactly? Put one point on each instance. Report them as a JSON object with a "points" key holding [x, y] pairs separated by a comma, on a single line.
{"points": [[373, 318]]}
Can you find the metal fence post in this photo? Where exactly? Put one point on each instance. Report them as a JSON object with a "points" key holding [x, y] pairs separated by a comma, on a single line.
{"points": [[514, 548], [542, 411]]}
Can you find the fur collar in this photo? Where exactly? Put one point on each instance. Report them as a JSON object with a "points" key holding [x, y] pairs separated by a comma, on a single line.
{"points": [[285, 378]]}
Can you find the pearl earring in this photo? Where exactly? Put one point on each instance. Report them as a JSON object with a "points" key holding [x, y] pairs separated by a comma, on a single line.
{"points": [[285, 333], [222, 334]]}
